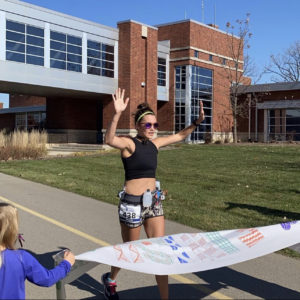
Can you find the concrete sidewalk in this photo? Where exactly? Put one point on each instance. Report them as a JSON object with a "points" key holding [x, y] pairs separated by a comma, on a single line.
{"points": [[51, 219]]}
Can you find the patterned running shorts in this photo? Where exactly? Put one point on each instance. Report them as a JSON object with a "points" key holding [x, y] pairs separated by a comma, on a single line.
{"points": [[133, 214]]}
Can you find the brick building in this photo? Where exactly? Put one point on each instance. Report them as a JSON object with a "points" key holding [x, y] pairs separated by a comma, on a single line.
{"points": [[60, 72], [274, 112]]}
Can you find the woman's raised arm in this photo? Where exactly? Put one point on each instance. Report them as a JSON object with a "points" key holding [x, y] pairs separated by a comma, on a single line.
{"points": [[120, 105], [181, 135]]}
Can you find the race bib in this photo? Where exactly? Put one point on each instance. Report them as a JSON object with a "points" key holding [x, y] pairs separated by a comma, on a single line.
{"points": [[130, 213]]}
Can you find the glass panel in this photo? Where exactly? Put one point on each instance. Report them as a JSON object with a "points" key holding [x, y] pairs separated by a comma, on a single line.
{"points": [[74, 67], [74, 58], [107, 65], [94, 62], [97, 58], [107, 73], [293, 113], [94, 71], [35, 31], [293, 124], [93, 45], [108, 48], [57, 64], [74, 40], [162, 68], [161, 61], [161, 82], [205, 72], [35, 50], [15, 26], [21, 121], [34, 60], [35, 41], [13, 36], [107, 56], [33, 120], [93, 53], [74, 49], [58, 55], [15, 47], [161, 72], [201, 89], [57, 46], [15, 56], [57, 36]]}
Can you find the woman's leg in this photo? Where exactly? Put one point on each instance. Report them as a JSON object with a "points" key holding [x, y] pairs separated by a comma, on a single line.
{"points": [[128, 234], [155, 227]]}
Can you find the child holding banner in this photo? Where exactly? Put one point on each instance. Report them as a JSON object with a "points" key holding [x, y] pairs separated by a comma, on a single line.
{"points": [[140, 204], [18, 265]]}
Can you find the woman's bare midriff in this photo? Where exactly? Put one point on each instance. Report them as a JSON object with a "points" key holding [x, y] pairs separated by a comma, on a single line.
{"points": [[139, 186]]}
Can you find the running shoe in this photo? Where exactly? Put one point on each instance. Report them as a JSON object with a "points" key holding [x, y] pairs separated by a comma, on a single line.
{"points": [[109, 288]]}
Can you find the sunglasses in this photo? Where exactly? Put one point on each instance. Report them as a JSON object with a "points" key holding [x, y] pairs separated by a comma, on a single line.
{"points": [[148, 125]]}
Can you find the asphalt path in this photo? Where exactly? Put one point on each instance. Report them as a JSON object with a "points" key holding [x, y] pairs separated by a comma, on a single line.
{"points": [[52, 219]]}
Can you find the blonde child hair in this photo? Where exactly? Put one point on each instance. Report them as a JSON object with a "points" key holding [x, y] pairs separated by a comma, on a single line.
{"points": [[9, 227]]}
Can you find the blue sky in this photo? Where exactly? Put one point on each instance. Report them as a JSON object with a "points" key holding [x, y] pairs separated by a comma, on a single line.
{"points": [[275, 24]]}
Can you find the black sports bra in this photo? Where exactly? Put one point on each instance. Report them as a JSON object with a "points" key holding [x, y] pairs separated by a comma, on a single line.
{"points": [[143, 161]]}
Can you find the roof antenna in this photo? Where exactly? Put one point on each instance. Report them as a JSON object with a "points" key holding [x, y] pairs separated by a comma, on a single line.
{"points": [[215, 13], [202, 8]]}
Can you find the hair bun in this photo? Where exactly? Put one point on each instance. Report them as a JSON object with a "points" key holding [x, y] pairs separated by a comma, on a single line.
{"points": [[143, 106]]}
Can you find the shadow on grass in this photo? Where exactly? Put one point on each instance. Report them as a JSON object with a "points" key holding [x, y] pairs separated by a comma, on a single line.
{"points": [[265, 210]]}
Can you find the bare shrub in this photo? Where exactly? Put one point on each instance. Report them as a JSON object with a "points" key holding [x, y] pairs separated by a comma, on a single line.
{"points": [[22, 145], [2, 139]]}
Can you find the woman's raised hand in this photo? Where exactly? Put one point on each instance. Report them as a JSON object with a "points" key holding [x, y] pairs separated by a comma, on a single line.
{"points": [[118, 98]]}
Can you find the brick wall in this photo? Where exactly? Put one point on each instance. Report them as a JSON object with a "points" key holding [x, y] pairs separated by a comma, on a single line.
{"points": [[7, 121], [26, 100], [264, 97], [137, 64], [191, 34], [67, 113]]}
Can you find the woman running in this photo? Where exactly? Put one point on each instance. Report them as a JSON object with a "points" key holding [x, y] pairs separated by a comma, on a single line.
{"points": [[139, 157]]}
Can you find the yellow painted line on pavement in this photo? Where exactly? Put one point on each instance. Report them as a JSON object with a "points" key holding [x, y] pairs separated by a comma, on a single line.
{"points": [[57, 223], [178, 278], [200, 287]]}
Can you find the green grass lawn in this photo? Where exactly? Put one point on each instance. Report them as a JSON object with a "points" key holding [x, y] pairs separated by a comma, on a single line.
{"points": [[210, 187]]}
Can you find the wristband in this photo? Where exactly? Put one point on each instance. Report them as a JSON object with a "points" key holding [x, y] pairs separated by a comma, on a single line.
{"points": [[194, 123]]}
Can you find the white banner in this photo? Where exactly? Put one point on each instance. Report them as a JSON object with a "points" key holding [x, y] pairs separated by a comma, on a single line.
{"points": [[193, 252]]}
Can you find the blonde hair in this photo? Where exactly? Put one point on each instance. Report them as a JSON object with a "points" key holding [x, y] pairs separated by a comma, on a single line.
{"points": [[9, 226]]}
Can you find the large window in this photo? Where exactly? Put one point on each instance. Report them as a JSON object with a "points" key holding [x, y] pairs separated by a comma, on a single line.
{"points": [[65, 52], [284, 124], [30, 120], [188, 95], [161, 72], [100, 59], [24, 43], [180, 97], [201, 90], [293, 124]]}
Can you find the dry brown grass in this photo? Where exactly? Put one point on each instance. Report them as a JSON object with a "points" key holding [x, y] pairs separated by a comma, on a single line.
{"points": [[23, 145]]}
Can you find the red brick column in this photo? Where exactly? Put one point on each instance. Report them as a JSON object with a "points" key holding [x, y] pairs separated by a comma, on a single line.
{"points": [[137, 70]]}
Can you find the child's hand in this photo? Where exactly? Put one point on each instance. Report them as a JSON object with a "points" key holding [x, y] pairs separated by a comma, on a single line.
{"points": [[69, 256]]}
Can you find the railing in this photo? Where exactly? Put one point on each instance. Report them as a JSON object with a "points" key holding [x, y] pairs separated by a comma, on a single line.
{"points": [[78, 269]]}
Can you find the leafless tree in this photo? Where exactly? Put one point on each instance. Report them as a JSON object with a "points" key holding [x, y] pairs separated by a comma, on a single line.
{"points": [[239, 66], [285, 67]]}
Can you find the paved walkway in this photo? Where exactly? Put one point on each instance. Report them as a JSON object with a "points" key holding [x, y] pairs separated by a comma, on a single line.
{"points": [[51, 219]]}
